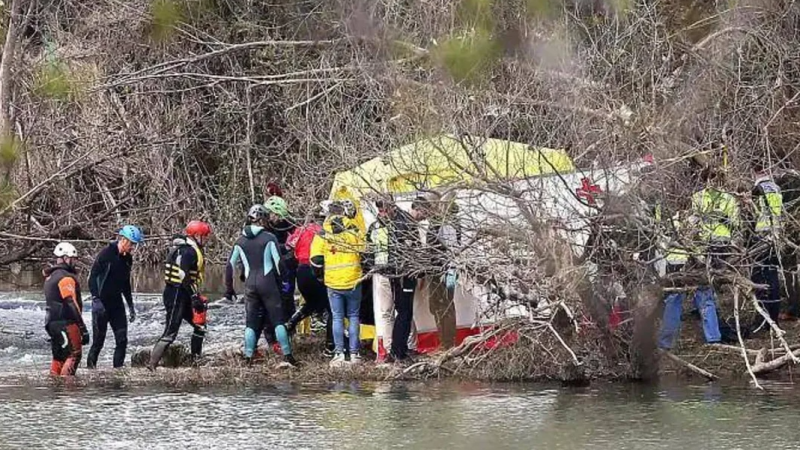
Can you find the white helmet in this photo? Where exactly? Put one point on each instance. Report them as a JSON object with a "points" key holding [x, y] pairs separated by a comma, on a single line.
{"points": [[65, 249]]}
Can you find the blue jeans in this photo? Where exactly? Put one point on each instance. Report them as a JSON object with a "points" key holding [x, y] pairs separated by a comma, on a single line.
{"points": [[704, 301], [349, 303]]}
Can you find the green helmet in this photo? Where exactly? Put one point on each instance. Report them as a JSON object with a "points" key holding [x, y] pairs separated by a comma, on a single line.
{"points": [[277, 206]]}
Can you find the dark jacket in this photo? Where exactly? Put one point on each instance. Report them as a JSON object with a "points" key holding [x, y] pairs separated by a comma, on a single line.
{"points": [[404, 245], [281, 231], [441, 238], [110, 278], [62, 294], [256, 254]]}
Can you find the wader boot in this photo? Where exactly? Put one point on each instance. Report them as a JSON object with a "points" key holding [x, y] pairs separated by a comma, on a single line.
{"points": [[156, 354]]}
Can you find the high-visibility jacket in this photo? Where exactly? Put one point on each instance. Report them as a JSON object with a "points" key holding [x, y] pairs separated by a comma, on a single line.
{"points": [[769, 206], [378, 240], [674, 253], [340, 253], [717, 213]]}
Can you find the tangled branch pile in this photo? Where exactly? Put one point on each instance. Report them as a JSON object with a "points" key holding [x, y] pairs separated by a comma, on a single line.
{"points": [[155, 112]]}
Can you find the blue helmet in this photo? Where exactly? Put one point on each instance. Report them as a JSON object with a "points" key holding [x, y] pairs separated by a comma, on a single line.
{"points": [[132, 234]]}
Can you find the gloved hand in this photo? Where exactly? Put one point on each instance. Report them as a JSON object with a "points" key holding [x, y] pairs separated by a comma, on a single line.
{"points": [[337, 225], [84, 336], [286, 287], [97, 305], [199, 303], [132, 315], [451, 279]]}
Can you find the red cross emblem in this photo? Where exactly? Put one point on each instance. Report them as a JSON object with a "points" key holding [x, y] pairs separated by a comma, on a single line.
{"points": [[333, 250], [587, 191]]}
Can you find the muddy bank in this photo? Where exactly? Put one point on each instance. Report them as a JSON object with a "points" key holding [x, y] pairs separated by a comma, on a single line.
{"points": [[534, 356]]}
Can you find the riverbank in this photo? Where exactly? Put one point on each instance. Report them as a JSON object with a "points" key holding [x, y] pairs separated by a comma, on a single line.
{"points": [[573, 356], [225, 367]]}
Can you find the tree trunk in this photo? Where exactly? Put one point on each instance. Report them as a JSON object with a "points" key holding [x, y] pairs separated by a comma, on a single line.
{"points": [[9, 56]]}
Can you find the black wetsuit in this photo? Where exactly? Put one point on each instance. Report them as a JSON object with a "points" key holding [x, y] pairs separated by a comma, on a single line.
{"points": [[180, 296], [281, 230], [63, 320], [256, 253], [110, 282]]}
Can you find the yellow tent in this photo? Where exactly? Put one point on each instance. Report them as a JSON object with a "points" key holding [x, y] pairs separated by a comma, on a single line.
{"points": [[443, 160]]}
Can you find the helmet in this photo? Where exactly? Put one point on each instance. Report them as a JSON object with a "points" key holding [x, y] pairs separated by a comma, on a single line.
{"points": [[274, 189], [65, 250], [257, 212], [197, 228], [132, 234], [277, 205]]}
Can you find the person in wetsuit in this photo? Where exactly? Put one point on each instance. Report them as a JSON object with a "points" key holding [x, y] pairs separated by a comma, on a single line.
{"points": [[110, 282], [256, 253], [314, 292], [279, 223], [63, 320], [183, 275]]}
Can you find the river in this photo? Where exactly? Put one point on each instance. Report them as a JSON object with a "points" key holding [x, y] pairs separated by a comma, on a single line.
{"points": [[407, 415], [366, 415]]}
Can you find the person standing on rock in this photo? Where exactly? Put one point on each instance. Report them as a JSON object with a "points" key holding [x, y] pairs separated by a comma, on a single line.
{"points": [[63, 319], [183, 275], [110, 282], [256, 252]]}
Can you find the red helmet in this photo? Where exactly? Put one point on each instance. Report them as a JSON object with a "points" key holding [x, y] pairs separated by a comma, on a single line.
{"points": [[197, 228], [273, 189]]}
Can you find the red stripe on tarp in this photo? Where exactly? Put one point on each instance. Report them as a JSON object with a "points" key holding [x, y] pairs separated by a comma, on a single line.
{"points": [[429, 341]]}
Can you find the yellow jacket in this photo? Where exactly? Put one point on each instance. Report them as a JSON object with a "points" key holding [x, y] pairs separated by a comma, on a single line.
{"points": [[341, 255]]}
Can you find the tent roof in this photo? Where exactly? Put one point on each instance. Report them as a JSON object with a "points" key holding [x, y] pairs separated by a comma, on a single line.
{"points": [[444, 160]]}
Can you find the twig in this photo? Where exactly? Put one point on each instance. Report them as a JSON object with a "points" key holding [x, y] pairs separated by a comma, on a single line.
{"points": [[738, 350], [564, 344], [776, 363], [741, 341], [760, 355], [778, 332], [690, 366]]}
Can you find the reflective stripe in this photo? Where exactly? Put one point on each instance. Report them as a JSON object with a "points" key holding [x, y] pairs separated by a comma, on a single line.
{"points": [[342, 266], [718, 213], [201, 265], [770, 207]]}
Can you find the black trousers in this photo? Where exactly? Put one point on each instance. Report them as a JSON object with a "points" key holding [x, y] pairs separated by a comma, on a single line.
{"points": [[765, 271], [286, 287], [264, 309], [316, 300], [101, 318], [178, 304], [403, 292]]}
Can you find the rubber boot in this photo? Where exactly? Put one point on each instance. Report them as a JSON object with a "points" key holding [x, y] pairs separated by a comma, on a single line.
{"points": [[250, 341], [282, 336], [196, 344], [156, 354]]}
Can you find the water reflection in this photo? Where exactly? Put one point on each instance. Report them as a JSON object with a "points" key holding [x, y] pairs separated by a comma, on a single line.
{"points": [[417, 415]]}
